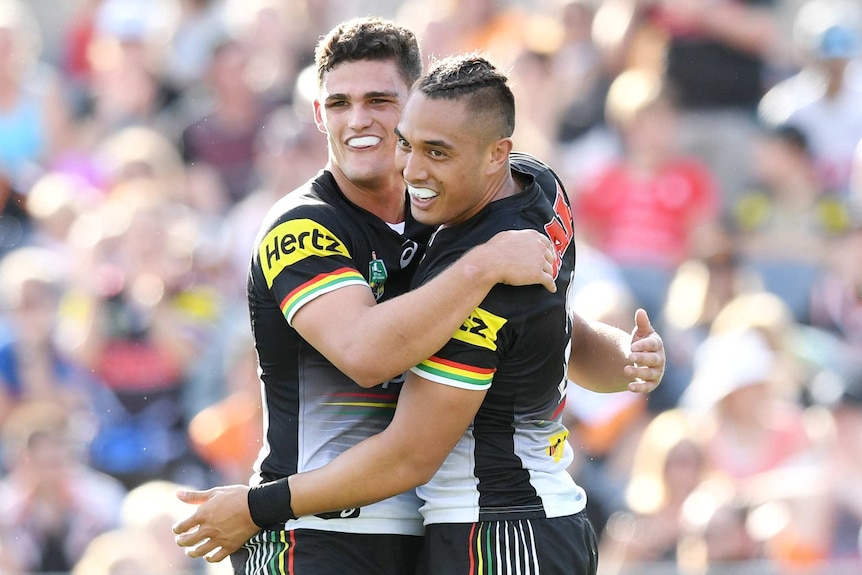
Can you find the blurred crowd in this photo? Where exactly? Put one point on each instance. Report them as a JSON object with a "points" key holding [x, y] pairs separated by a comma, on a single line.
{"points": [[712, 151]]}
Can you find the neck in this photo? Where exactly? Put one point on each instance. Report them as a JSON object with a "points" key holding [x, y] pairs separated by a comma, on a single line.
{"points": [[384, 197], [498, 188]]}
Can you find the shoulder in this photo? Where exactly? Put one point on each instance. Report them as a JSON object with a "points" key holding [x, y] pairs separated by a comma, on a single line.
{"points": [[528, 164], [549, 183], [311, 213], [317, 200]]}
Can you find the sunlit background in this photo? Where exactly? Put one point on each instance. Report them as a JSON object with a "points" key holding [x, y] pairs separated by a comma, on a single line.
{"points": [[710, 149]]}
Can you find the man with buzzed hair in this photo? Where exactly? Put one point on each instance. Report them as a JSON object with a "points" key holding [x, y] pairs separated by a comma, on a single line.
{"points": [[477, 428], [333, 327]]}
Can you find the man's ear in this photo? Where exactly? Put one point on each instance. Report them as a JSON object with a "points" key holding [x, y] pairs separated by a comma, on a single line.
{"points": [[500, 154], [318, 116]]}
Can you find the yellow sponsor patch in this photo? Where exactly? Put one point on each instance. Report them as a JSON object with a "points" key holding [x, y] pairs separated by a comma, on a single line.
{"points": [[293, 241], [558, 445], [480, 329]]}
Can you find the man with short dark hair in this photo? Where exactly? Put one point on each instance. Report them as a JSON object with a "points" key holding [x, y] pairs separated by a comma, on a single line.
{"points": [[477, 424], [333, 327]]}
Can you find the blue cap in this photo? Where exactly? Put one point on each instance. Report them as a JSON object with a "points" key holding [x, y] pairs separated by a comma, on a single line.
{"points": [[838, 42]]}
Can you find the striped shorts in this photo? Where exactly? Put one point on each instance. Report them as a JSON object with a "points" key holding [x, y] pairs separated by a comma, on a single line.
{"points": [[309, 551], [556, 546]]}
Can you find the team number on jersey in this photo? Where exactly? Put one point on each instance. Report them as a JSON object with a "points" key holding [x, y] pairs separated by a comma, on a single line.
{"points": [[293, 241]]}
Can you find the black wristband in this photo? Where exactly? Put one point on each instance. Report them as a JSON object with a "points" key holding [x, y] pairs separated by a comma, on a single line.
{"points": [[269, 503]]}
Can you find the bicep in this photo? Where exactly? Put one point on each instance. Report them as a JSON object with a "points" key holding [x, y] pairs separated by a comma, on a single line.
{"points": [[327, 321]]}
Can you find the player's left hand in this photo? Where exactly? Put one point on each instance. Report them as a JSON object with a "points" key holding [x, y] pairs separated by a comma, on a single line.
{"points": [[220, 525], [647, 357]]}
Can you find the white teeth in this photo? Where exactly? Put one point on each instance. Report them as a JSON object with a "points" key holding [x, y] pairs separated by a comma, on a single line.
{"points": [[421, 193], [364, 141]]}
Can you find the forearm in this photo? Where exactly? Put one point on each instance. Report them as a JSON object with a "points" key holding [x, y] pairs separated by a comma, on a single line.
{"points": [[392, 337], [366, 473], [599, 356], [750, 29], [429, 415]]}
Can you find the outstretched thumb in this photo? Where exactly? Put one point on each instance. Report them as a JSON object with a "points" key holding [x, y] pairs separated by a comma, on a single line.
{"points": [[643, 327]]}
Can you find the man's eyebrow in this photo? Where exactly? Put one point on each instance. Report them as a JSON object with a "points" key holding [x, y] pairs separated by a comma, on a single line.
{"points": [[438, 144], [428, 143], [381, 94], [342, 97]]}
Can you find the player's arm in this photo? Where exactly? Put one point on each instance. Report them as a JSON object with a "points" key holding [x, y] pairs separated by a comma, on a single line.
{"points": [[607, 359], [374, 343], [429, 420]]}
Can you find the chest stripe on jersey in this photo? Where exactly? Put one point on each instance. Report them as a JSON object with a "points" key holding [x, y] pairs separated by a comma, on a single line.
{"points": [[318, 285], [455, 374], [358, 401]]}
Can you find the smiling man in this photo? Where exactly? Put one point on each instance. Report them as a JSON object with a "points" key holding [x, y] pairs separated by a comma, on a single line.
{"points": [[477, 423], [333, 338]]}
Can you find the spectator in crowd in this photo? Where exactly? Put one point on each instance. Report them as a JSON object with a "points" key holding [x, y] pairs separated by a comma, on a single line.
{"points": [[34, 118], [457, 26], [669, 464], [199, 27], [785, 224], [223, 140], [714, 54], [125, 86], [819, 500], [127, 551], [51, 503], [585, 71], [843, 472], [751, 426], [647, 210], [227, 433], [53, 204], [33, 365], [699, 290], [279, 40], [822, 98], [583, 74], [138, 320], [719, 535], [836, 305], [33, 114], [150, 509]]}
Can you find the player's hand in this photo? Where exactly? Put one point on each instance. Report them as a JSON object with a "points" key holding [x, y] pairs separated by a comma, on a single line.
{"points": [[522, 257], [647, 358], [220, 525]]}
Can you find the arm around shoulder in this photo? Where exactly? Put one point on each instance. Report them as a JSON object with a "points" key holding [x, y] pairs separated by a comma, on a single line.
{"points": [[374, 343]]}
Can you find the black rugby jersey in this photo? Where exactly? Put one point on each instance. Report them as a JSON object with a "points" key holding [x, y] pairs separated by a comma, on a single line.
{"points": [[314, 241], [512, 461]]}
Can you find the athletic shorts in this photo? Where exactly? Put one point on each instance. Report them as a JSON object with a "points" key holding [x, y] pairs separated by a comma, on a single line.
{"points": [[557, 546], [313, 552]]}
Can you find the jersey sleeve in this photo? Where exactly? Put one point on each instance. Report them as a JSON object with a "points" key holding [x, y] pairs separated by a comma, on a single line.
{"points": [[469, 360], [302, 258]]}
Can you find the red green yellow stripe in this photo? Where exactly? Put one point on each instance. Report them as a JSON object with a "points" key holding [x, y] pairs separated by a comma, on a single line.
{"points": [[455, 374], [318, 285]]}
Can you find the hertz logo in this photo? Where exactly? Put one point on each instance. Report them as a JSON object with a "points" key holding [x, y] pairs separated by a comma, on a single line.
{"points": [[293, 241]]}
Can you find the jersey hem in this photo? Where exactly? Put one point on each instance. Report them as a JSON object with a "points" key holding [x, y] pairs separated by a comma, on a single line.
{"points": [[360, 526]]}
